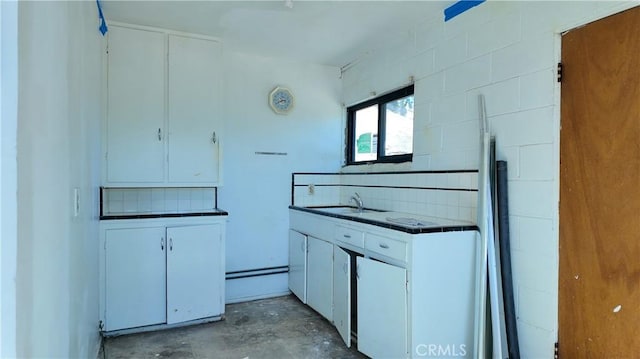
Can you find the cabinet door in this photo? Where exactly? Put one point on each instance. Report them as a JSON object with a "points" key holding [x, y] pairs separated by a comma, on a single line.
{"points": [[320, 276], [135, 109], [194, 110], [298, 264], [195, 273], [382, 309], [135, 277], [342, 293]]}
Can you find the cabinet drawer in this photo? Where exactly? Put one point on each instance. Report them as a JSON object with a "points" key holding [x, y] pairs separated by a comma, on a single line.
{"points": [[350, 236], [386, 246]]}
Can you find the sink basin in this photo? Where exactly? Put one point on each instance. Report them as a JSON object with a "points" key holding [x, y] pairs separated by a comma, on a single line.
{"points": [[346, 210]]}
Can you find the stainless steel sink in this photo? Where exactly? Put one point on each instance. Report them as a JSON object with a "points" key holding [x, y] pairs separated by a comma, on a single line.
{"points": [[346, 210]]}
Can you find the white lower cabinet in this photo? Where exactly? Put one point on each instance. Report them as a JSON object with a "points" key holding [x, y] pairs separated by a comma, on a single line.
{"points": [[298, 265], [320, 276], [342, 293], [382, 309], [406, 294], [194, 288], [135, 277], [160, 272]]}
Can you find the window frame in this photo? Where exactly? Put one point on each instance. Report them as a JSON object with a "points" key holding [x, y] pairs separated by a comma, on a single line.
{"points": [[380, 101]]}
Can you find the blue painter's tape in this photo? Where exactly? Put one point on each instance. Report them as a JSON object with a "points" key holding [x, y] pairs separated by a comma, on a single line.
{"points": [[103, 23], [460, 7]]}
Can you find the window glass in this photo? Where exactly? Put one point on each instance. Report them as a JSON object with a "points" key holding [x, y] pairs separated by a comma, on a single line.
{"points": [[399, 127], [381, 129], [366, 134]]}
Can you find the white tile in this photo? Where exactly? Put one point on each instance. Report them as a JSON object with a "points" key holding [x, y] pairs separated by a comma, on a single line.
{"points": [[494, 35], [451, 52], [157, 194], [184, 194], [130, 195], [468, 75], [144, 195], [538, 89], [116, 207], [527, 56], [115, 194], [171, 194], [157, 205], [171, 205], [537, 162]]}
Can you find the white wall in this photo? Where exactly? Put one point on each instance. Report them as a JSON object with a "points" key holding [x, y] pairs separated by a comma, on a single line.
{"points": [[8, 175], [507, 51], [256, 190], [58, 150]]}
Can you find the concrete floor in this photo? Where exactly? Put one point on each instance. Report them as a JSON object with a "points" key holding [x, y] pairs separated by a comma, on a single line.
{"points": [[277, 328]]}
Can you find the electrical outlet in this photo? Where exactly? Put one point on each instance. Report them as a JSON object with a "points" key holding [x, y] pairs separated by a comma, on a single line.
{"points": [[311, 189]]}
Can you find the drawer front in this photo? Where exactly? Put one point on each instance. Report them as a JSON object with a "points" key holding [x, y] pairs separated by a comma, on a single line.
{"points": [[386, 246], [350, 236]]}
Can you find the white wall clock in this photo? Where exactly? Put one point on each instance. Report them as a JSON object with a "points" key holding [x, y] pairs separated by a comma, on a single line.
{"points": [[281, 100]]}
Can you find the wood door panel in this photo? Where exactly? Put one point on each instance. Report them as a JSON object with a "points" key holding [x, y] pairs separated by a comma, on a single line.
{"points": [[600, 190]]}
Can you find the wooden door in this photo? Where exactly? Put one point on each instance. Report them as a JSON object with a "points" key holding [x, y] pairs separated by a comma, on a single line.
{"points": [[599, 284], [195, 273]]}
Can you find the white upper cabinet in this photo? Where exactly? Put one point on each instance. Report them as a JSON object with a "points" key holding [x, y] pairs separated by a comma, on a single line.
{"points": [[194, 105], [164, 125], [135, 106]]}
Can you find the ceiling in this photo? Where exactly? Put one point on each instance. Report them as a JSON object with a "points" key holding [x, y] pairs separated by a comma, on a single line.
{"points": [[324, 32]]}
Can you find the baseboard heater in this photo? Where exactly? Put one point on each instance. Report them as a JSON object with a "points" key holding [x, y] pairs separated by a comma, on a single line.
{"points": [[258, 272]]}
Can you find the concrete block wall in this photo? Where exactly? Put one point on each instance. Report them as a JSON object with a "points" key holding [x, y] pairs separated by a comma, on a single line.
{"points": [[507, 51]]}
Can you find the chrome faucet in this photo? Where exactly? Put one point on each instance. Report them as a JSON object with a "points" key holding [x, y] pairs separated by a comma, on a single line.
{"points": [[356, 198]]}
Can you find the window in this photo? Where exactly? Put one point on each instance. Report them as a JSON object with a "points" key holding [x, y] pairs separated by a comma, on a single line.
{"points": [[381, 129]]}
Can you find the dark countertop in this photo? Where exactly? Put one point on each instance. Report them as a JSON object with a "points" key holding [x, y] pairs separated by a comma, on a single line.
{"points": [[145, 215], [423, 225]]}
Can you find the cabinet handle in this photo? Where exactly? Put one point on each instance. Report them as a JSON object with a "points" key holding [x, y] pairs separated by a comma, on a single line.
{"points": [[344, 267], [213, 137], [170, 244], [358, 271], [159, 134], [302, 246], [162, 243], [346, 236], [384, 246]]}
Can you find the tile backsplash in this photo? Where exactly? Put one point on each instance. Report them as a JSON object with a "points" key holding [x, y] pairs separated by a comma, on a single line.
{"points": [[442, 194], [166, 200]]}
